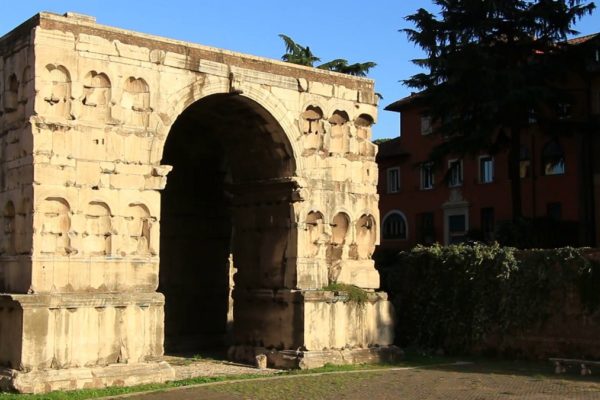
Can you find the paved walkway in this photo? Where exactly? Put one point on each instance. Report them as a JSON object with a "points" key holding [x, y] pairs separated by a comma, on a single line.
{"points": [[447, 383], [186, 368]]}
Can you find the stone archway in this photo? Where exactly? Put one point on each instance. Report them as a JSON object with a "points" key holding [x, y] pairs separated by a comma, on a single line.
{"points": [[226, 205], [255, 175]]}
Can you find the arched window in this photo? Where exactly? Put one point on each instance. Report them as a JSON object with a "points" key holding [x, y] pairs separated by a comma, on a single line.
{"points": [[553, 158], [394, 226]]}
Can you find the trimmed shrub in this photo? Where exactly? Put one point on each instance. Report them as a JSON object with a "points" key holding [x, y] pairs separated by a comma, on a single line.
{"points": [[459, 298]]}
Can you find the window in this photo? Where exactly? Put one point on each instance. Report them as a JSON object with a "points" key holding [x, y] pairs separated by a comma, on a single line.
{"points": [[427, 176], [455, 173], [426, 128], [394, 226], [425, 228], [486, 169], [457, 228], [564, 110], [532, 116], [524, 162], [554, 211], [393, 180], [553, 158], [487, 223]]}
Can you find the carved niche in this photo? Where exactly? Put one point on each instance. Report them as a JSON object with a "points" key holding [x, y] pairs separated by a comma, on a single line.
{"points": [[57, 93], [366, 236], [139, 228], [23, 238], [316, 237], [11, 94], [98, 230], [96, 97], [340, 135], [312, 128], [136, 102], [9, 231], [335, 252], [26, 81], [363, 134], [56, 223], [363, 126]]}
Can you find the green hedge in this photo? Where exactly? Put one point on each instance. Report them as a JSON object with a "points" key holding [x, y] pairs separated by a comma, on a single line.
{"points": [[455, 297]]}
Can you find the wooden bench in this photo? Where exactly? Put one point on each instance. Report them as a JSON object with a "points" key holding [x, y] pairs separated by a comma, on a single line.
{"points": [[561, 364]]}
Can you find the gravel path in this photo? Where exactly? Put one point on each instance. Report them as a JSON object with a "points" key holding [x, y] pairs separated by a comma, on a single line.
{"points": [[186, 368]]}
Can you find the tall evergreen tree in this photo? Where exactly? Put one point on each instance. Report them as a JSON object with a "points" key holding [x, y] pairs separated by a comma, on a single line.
{"points": [[302, 55], [490, 66], [297, 54]]}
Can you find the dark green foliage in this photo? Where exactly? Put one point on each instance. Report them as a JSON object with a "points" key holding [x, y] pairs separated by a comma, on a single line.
{"points": [[455, 297], [490, 65], [298, 54], [341, 65], [353, 293], [382, 140]]}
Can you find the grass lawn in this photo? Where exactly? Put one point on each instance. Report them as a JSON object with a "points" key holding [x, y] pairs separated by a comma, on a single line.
{"points": [[328, 378]]}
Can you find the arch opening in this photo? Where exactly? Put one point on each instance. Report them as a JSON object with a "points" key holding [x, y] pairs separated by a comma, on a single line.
{"points": [[225, 223]]}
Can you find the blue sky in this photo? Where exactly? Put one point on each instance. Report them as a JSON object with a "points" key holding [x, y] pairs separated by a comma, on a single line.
{"points": [[356, 31]]}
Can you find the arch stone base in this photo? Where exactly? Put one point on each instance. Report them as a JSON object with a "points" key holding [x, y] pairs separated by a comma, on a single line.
{"points": [[85, 114]]}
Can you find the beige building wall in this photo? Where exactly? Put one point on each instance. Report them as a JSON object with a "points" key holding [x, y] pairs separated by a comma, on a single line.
{"points": [[86, 116]]}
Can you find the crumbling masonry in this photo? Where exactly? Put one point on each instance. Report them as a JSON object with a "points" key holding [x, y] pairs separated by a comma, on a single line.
{"points": [[139, 176]]}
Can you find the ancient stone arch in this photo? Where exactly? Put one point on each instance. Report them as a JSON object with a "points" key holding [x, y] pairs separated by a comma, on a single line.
{"points": [[149, 196]]}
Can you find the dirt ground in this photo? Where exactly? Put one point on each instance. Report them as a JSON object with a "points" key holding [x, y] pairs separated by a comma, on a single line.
{"points": [[463, 382]]}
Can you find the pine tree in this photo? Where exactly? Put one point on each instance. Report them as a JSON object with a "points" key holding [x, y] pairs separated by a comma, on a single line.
{"points": [[302, 55], [490, 66]]}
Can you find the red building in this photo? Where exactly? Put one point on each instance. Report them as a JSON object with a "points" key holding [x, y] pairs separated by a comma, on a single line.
{"points": [[470, 197]]}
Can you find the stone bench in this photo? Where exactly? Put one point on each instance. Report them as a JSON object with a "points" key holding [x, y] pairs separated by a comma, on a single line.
{"points": [[561, 364]]}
